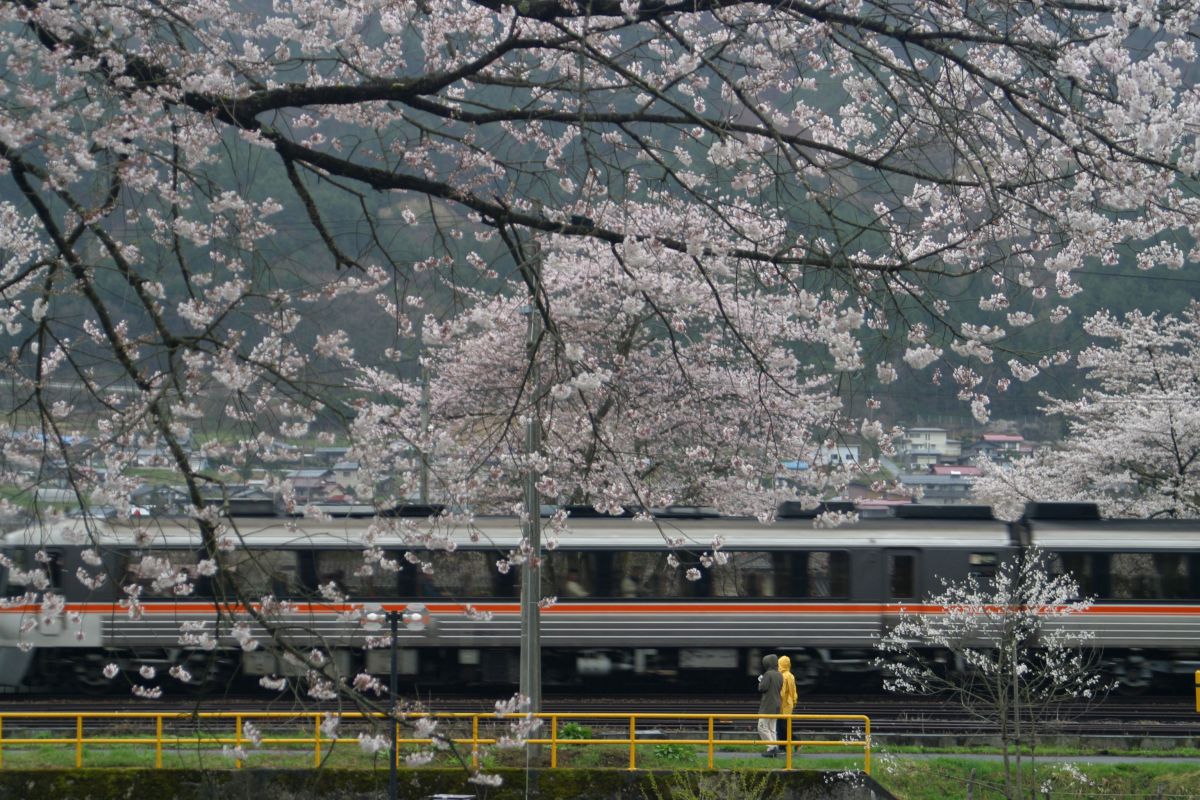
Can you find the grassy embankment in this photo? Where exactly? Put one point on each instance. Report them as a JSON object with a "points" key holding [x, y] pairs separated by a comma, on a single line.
{"points": [[908, 775]]}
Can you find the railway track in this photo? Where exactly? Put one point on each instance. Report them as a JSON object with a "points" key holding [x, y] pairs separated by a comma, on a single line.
{"points": [[1118, 722]]}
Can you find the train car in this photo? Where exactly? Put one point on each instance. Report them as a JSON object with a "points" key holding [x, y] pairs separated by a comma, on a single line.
{"points": [[628, 608], [1144, 579]]}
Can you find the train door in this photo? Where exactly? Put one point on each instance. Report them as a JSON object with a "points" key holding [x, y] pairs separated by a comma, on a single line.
{"points": [[901, 576]]}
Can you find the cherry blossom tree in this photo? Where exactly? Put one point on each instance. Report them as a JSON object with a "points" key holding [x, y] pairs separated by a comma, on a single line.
{"points": [[241, 226], [1133, 438], [649, 393], [1003, 647]]}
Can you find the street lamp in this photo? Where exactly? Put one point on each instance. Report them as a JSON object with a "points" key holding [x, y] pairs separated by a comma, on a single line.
{"points": [[414, 617]]}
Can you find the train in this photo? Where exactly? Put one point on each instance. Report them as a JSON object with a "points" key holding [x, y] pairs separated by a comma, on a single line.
{"points": [[686, 599]]}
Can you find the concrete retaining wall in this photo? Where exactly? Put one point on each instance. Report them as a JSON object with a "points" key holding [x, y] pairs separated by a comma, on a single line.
{"points": [[559, 784]]}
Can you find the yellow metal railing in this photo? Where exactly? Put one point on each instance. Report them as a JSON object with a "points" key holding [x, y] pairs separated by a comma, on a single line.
{"points": [[716, 729]]}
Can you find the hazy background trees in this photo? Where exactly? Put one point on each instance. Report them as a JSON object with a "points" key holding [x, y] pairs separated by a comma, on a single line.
{"points": [[1133, 436]]}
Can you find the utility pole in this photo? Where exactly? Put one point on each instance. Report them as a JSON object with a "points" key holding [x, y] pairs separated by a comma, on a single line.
{"points": [[531, 576], [424, 485]]}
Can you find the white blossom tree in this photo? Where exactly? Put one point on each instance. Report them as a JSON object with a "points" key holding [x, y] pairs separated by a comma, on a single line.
{"points": [[1003, 647], [648, 392], [1133, 438], [240, 225]]}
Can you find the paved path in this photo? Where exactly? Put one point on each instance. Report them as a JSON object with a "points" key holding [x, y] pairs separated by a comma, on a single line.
{"points": [[1071, 759]]}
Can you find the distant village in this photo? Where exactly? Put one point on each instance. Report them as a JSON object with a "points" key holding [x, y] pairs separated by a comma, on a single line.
{"points": [[929, 465]]}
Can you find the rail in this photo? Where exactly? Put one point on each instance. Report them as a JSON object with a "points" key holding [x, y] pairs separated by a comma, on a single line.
{"points": [[309, 729]]}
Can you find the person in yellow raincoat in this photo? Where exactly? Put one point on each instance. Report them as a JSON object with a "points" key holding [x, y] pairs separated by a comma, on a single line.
{"points": [[787, 697]]}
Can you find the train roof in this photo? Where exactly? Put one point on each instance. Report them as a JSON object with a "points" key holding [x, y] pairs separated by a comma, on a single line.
{"points": [[914, 529], [1118, 534], [505, 533]]}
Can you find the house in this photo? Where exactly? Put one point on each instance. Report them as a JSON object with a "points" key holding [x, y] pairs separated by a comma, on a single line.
{"points": [[964, 470], [311, 484], [939, 489], [839, 454], [998, 447], [924, 447], [329, 455], [156, 456], [1005, 442], [929, 439], [242, 500], [791, 474], [345, 473], [161, 499]]}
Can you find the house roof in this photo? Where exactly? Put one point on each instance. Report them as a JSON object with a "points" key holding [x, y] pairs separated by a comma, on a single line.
{"points": [[307, 474], [934, 480], [1003, 437], [955, 469]]}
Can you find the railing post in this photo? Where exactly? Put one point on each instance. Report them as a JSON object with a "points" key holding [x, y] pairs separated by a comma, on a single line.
{"points": [[711, 740], [78, 741], [237, 741], [787, 743], [867, 746], [1, 741], [633, 741], [553, 741], [475, 741], [158, 736], [317, 739]]}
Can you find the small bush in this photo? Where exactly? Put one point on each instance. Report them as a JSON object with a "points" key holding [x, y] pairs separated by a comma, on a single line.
{"points": [[760, 785], [675, 753], [573, 730]]}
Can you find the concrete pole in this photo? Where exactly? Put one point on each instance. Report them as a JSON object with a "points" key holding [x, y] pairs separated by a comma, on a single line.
{"points": [[424, 485], [531, 576]]}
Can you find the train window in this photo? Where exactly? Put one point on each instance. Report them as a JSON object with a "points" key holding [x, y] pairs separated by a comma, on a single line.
{"points": [[744, 574], [258, 572], [1079, 566], [161, 573], [1149, 576], [826, 573], [26, 574], [982, 565], [464, 573], [902, 576], [357, 577], [566, 575], [646, 574]]}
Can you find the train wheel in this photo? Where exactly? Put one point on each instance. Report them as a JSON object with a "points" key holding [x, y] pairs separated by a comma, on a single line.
{"points": [[807, 669], [88, 673], [1133, 674], [208, 671]]}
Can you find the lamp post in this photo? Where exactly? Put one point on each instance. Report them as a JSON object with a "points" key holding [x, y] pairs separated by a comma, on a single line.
{"points": [[414, 617], [393, 780]]}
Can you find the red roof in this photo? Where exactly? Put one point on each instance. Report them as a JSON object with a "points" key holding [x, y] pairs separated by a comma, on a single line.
{"points": [[1003, 437]]}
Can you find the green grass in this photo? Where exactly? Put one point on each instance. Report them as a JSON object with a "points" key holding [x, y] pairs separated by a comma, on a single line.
{"points": [[943, 777], [950, 778]]}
